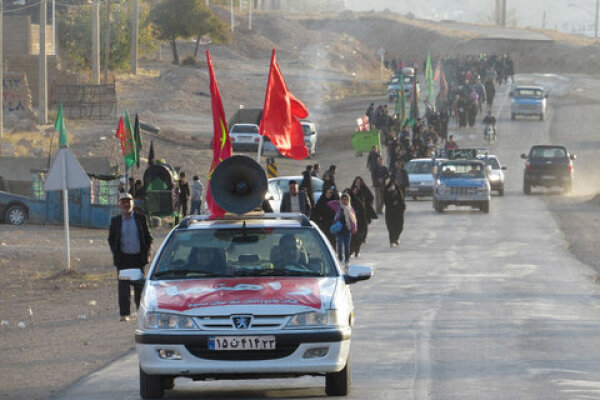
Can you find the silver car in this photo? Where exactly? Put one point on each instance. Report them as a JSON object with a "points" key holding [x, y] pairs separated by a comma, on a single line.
{"points": [[528, 100], [244, 137], [420, 176], [495, 172]]}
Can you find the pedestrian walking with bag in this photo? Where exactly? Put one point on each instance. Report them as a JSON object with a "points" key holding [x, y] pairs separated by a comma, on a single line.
{"points": [[344, 226], [323, 215]]}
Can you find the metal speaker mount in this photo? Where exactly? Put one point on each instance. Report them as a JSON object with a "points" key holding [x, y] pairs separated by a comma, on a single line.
{"points": [[238, 184]]}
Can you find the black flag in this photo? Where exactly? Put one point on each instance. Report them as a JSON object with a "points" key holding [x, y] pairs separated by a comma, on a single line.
{"points": [[151, 153]]}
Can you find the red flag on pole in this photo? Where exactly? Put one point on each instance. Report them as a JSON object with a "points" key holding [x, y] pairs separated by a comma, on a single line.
{"points": [[221, 142], [281, 114]]}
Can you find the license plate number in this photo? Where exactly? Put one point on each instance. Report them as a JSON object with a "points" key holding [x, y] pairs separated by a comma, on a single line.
{"points": [[547, 177], [232, 343]]}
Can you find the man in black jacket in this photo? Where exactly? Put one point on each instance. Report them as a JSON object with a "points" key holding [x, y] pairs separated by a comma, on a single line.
{"points": [[130, 240], [295, 201]]}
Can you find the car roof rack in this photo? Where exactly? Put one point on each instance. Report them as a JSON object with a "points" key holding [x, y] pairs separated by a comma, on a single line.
{"points": [[191, 219]]}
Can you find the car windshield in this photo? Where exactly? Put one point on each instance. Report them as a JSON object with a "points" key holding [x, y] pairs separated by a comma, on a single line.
{"points": [[244, 129], [306, 130], [533, 93], [464, 170], [209, 253], [420, 167], [548, 152], [492, 162]]}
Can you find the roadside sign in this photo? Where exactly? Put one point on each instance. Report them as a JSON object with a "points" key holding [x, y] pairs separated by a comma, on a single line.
{"points": [[66, 173]]}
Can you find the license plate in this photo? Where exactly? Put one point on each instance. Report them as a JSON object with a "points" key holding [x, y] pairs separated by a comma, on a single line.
{"points": [[244, 137], [241, 343], [548, 177]]}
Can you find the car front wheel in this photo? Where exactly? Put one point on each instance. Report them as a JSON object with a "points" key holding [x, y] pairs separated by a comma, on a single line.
{"points": [[338, 383], [15, 215], [485, 207], [526, 188], [151, 386]]}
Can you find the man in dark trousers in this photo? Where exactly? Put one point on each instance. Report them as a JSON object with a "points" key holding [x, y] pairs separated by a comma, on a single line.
{"points": [[130, 241], [379, 174], [184, 195], [400, 176], [295, 200]]}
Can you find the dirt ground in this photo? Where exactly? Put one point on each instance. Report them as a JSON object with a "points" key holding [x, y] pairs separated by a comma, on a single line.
{"points": [[58, 326]]}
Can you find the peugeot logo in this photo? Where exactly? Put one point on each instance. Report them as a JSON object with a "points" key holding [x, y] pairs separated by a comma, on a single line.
{"points": [[241, 322]]}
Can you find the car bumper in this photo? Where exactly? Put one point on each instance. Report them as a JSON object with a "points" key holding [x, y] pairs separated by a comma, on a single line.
{"points": [[496, 185], [421, 190], [547, 180], [244, 146], [527, 111], [289, 358], [462, 200]]}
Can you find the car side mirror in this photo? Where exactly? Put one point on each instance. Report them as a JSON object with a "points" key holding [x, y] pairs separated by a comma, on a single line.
{"points": [[523, 156], [358, 273], [573, 157], [504, 168]]}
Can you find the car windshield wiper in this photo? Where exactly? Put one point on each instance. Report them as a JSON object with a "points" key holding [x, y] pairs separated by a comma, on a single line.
{"points": [[176, 273]]}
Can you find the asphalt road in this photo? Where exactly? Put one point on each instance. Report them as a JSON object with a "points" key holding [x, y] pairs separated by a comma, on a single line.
{"points": [[470, 305]]}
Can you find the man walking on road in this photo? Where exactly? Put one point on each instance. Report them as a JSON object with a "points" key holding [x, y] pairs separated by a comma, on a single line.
{"points": [[130, 241], [295, 200], [379, 174]]}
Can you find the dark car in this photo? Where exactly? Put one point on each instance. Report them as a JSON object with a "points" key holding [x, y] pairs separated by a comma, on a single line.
{"points": [[548, 166], [13, 208]]}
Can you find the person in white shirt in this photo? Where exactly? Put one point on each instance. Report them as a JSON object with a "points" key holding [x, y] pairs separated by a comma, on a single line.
{"points": [[196, 198]]}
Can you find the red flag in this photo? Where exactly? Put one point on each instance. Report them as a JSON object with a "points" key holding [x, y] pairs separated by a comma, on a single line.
{"points": [[281, 114], [221, 142]]}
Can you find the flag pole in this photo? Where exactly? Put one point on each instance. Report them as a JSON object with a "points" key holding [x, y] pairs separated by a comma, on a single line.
{"points": [[66, 213]]}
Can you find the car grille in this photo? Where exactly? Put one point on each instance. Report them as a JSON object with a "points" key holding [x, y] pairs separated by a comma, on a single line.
{"points": [[463, 190], [529, 107], [282, 350], [224, 323]]}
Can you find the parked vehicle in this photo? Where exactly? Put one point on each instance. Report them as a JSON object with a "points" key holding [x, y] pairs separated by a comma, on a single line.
{"points": [[528, 100], [244, 137], [283, 183], [548, 166], [311, 137], [13, 208]]}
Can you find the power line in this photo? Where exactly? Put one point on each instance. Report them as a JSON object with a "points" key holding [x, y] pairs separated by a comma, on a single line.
{"points": [[21, 8]]}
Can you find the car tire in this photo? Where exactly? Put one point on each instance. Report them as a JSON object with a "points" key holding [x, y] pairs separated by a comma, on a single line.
{"points": [[151, 386], [15, 215], [338, 383], [501, 192], [542, 116], [526, 188], [438, 206], [485, 207], [513, 116]]}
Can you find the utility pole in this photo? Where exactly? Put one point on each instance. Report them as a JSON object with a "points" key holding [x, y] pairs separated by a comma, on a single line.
{"points": [[544, 20], [43, 65], [232, 18], [596, 21], [54, 26], [107, 43], [249, 15], [96, 43], [134, 37], [1, 74], [504, 13]]}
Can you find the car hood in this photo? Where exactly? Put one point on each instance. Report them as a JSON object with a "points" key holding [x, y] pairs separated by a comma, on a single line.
{"points": [[416, 178], [272, 295], [459, 182]]}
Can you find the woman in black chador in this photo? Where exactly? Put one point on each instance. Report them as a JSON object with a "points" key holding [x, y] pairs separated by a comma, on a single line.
{"points": [[361, 220], [323, 215], [394, 212]]}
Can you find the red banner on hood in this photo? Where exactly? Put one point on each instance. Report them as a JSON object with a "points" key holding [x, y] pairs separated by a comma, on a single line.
{"points": [[181, 296]]}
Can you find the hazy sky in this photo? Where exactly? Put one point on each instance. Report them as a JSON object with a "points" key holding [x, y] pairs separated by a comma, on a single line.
{"points": [[560, 14]]}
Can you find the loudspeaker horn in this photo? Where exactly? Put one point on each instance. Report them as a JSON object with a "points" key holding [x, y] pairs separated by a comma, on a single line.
{"points": [[238, 184]]}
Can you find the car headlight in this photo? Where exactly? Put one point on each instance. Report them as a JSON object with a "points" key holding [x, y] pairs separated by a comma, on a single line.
{"points": [[316, 319], [494, 177], [167, 321]]}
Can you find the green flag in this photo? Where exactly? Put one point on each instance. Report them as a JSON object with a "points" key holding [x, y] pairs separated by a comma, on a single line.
{"points": [[130, 153], [59, 125], [429, 80]]}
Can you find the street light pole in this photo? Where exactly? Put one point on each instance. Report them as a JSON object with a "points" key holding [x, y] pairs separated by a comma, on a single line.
{"points": [[596, 22]]}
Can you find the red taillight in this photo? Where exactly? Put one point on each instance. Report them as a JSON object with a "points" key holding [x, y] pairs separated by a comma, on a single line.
{"points": [[527, 165], [231, 138], [570, 167]]}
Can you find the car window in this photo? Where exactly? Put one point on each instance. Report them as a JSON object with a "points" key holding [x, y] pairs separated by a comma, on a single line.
{"points": [[317, 184], [533, 93], [492, 162], [306, 129], [276, 251], [462, 171], [548, 152], [421, 167], [244, 128]]}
